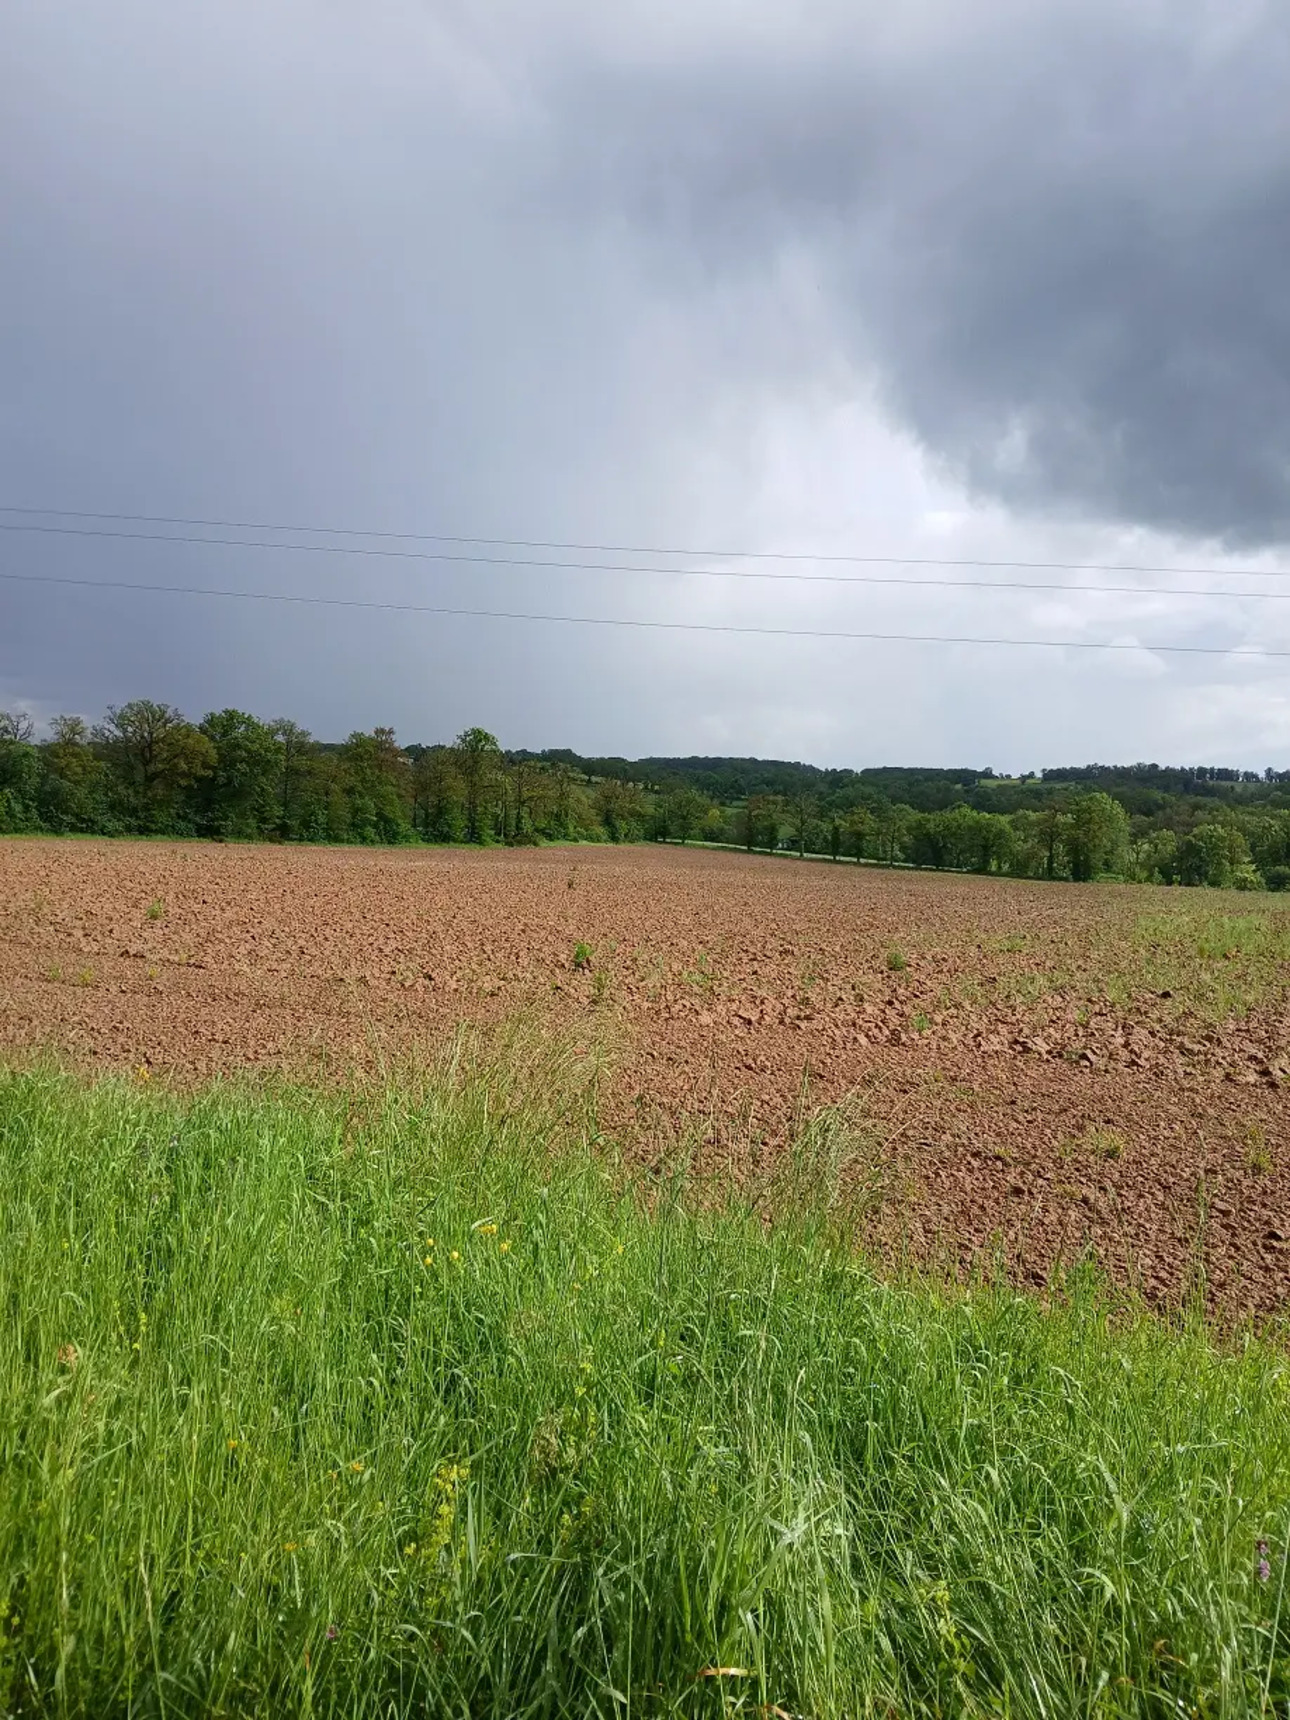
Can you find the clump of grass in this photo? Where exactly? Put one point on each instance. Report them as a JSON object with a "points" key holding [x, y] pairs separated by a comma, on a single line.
{"points": [[582, 958], [85, 976], [896, 960], [156, 909], [1101, 1142], [1258, 1157], [703, 976], [1215, 965], [394, 1402]]}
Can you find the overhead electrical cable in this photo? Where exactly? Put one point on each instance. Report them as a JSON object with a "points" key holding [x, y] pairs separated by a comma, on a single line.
{"points": [[623, 621], [504, 561], [644, 549]]}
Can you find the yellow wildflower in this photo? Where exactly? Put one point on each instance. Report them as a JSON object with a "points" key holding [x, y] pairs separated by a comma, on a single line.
{"points": [[504, 1246], [357, 1466]]}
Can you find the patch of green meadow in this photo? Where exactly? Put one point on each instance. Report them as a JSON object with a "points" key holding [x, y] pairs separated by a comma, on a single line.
{"points": [[410, 1400]]}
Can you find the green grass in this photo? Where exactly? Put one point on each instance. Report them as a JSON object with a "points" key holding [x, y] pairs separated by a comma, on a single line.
{"points": [[405, 1402], [1218, 965]]}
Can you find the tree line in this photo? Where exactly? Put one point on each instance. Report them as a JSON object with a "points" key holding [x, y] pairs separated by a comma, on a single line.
{"points": [[147, 770]]}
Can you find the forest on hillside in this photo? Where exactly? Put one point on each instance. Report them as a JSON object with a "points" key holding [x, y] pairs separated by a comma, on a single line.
{"points": [[147, 770]]}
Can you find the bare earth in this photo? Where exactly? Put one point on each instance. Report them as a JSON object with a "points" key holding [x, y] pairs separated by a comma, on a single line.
{"points": [[1054, 1068]]}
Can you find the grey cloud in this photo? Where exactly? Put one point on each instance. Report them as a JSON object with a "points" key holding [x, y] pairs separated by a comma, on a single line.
{"points": [[621, 273], [1062, 240]]}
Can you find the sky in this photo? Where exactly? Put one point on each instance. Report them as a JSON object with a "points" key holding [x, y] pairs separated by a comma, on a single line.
{"points": [[1001, 282]]}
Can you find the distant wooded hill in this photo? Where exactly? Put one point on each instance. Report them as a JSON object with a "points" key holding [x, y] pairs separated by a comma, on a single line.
{"points": [[147, 770]]}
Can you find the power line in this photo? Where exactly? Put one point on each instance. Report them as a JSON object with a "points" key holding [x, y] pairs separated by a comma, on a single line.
{"points": [[645, 549], [440, 556], [620, 621]]}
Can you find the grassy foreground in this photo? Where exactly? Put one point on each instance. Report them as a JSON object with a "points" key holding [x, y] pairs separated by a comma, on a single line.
{"points": [[399, 1402]]}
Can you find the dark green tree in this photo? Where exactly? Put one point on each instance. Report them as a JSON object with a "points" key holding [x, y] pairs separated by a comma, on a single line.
{"points": [[380, 787], [621, 808], [74, 792], [296, 754], [479, 763], [1096, 836], [239, 796], [682, 812], [154, 753]]}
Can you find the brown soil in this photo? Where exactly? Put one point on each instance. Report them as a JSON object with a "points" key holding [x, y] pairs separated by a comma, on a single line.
{"points": [[1046, 1073]]}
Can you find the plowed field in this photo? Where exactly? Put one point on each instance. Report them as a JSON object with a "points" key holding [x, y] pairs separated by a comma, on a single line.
{"points": [[1028, 1070]]}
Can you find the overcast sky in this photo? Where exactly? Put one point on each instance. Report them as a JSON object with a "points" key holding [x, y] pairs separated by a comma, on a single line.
{"points": [[1004, 280]]}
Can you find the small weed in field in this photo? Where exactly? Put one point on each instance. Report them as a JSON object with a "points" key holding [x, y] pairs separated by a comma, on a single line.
{"points": [[1029, 987], [1258, 1158], [1013, 943], [582, 955], [921, 1023], [702, 974], [55, 973], [150, 973], [1102, 1143], [896, 960], [1083, 1017], [156, 909], [600, 985], [85, 976], [39, 906]]}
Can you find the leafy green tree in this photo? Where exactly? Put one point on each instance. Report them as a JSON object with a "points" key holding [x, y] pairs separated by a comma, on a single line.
{"points": [[529, 796], [858, 830], [479, 762], [296, 755], [73, 795], [926, 839], [1216, 855], [20, 773], [891, 831], [1096, 836], [621, 808], [1153, 856], [379, 787], [153, 752], [803, 809], [682, 812], [760, 819], [239, 796], [438, 795], [1269, 840]]}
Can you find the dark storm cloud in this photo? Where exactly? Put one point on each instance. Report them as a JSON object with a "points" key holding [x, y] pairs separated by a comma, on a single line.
{"points": [[1061, 234], [626, 273]]}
